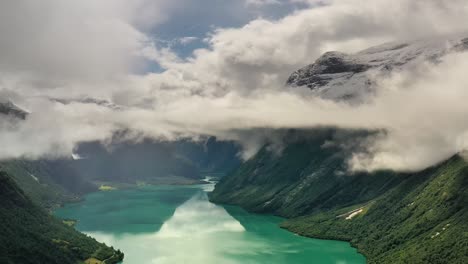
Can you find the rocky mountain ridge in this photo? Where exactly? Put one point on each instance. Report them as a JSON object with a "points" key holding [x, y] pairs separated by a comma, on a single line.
{"points": [[341, 76], [8, 108]]}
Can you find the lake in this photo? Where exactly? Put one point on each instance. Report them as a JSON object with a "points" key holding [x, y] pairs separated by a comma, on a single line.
{"points": [[178, 224]]}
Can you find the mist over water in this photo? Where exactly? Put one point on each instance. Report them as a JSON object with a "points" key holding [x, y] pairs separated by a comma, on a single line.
{"points": [[178, 224]]}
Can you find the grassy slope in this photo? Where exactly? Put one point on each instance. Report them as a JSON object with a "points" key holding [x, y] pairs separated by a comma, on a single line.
{"points": [[30, 235], [402, 225]]}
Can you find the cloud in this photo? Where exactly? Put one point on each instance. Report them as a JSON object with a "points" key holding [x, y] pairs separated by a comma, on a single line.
{"points": [[187, 40], [257, 3], [55, 42], [423, 111], [235, 87]]}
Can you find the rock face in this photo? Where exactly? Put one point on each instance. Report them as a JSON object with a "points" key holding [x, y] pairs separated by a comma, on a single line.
{"points": [[340, 76], [326, 68], [10, 109]]}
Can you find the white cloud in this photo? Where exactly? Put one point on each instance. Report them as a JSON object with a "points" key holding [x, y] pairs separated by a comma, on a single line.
{"points": [[257, 3], [187, 40], [56, 42], [233, 86]]}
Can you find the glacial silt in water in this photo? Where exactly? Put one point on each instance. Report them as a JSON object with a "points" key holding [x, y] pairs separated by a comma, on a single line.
{"points": [[177, 224]]}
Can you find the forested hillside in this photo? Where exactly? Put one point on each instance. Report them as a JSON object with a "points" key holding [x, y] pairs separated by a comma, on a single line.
{"points": [[305, 177], [28, 234], [422, 220], [389, 217], [48, 183], [150, 161]]}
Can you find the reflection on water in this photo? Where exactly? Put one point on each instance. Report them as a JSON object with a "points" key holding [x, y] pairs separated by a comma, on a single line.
{"points": [[187, 228], [198, 232]]}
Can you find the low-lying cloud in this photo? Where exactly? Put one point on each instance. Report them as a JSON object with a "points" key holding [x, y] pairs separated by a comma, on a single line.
{"points": [[237, 84]]}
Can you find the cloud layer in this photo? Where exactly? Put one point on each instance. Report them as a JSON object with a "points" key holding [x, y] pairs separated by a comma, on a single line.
{"points": [[236, 85]]}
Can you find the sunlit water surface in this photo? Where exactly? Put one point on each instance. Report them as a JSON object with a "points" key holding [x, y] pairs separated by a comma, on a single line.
{"points": [[177, 225]]}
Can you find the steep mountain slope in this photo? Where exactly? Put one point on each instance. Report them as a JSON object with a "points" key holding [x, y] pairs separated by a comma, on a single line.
{"points": [[307, 176], [148, 161], [422, 220], [30, 235], [126, 162], [340, 76], [48, 183], [391, 217], [155, 162], [210, 155]]}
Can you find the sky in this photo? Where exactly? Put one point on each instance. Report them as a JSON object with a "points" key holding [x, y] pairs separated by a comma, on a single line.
{"points": [[189, 22], [166, 70]]}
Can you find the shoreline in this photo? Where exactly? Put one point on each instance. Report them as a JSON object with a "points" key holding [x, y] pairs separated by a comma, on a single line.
{"points": [[271, 221], [332, 238], [285, 219], [106, 186]]}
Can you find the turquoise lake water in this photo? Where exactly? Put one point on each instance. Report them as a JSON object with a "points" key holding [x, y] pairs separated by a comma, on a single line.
{"points": [[177, 225]]}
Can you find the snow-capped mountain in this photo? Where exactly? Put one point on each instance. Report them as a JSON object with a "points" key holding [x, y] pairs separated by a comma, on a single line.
{"points": [[340, 76]]}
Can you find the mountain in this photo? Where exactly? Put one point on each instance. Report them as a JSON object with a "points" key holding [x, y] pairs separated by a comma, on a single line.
{"points": [[30, 189], [30, 235], [341, 76], [147, 161], [49, 183], [93, 163], [210, 155], [421, 220], [182, 161], [390, 217], [8, 108], [304, 178]]}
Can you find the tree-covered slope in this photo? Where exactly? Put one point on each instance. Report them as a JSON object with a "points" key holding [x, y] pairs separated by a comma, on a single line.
{"points": [[307, 176], [129, 162], [210, 155], [50, 183], [393, 218], [47, 183], [28, 234], [422, 220]]}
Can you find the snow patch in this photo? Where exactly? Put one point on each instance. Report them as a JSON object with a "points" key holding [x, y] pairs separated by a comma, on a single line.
{"points": [[76, 156], [34, 177], [349, 217]]}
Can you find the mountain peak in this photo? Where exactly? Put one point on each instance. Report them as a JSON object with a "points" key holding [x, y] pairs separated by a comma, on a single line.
{"points": [[340, 76], [8, 108]]}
